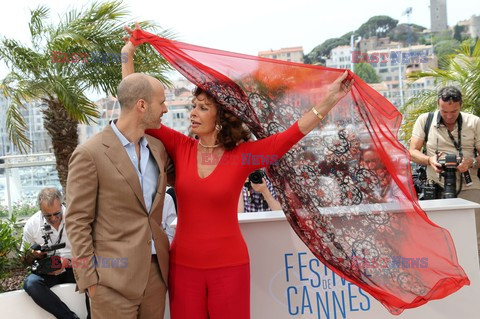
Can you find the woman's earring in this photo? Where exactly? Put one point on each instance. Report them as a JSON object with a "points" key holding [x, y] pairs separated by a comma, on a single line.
{"points": [[218, 127]]}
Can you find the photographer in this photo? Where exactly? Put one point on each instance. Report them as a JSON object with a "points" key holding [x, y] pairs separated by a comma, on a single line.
{"points": [[258, 194], [452, 134], [42, 232]]}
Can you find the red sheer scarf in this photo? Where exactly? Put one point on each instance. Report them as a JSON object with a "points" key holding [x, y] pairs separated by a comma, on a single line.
{"points": [[346, 187]]}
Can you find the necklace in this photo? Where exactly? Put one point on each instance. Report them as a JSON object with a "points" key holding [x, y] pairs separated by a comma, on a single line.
{"points": [[207, 146]]}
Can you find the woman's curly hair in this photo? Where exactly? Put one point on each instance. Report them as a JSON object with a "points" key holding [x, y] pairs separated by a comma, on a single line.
{"points": [[233, 130]]}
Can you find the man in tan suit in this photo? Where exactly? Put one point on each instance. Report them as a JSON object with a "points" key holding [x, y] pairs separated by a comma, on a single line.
{"points": [[115, 192]]}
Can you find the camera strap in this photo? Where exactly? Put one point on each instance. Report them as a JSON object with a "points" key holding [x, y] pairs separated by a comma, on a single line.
{"points": [[60, 236], [458, 146]]}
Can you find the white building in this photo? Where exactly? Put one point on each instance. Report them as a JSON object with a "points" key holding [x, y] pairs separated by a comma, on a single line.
{"points": [[390, 63], [179, 102], [472, 26], [340, 58], [293, 54], [391, 89]]}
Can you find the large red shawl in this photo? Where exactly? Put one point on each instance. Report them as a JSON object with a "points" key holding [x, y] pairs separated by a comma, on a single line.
{"points": [[358, 216]]}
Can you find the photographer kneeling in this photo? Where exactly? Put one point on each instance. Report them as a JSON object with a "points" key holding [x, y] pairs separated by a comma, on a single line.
{"points": [[46, 235], [451, 149]]}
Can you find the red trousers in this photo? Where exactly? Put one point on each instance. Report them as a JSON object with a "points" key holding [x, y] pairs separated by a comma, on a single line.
{"points": [[220, 293]]}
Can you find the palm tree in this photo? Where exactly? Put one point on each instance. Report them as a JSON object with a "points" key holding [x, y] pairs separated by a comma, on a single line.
{"points": [[463, 71], [59, 69]]}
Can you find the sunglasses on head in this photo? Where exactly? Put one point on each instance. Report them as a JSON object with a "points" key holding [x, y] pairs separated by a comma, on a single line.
{"points": [[450, 96], [47, 216]]}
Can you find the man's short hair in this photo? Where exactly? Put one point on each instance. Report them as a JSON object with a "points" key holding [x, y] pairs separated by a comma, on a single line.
{"points": [[133, 88], [48, 196], [450, 93]]}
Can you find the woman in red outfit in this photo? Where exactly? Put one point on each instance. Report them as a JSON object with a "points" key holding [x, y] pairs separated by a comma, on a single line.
{"points": [[209, 264]]}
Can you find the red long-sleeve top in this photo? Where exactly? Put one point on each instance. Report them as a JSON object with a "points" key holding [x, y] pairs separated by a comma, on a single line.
{"points": [[208, 234]]}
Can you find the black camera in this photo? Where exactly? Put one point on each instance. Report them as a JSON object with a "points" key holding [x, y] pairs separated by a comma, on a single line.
{"points": [[430, 190], [449, 173], [45, 265], [48, 248], [256, 177]]}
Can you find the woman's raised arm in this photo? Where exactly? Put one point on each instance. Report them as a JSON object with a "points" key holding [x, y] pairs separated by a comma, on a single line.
{"points": [[128, 49], [337, 90]]}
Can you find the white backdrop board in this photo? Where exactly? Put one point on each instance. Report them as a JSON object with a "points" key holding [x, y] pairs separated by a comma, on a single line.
{"points": [[287, 281]]}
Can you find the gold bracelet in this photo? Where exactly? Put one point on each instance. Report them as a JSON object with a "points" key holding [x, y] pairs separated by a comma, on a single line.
{"points": [[320, 116]]}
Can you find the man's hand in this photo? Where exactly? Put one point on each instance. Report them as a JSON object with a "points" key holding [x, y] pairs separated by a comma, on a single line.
{"points": [[465, 165], [432, 161], [37, 254], [91, 290], [56, 272]]}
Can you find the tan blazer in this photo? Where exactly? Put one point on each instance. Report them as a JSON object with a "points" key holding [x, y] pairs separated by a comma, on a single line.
{"points": [[106, 217]]}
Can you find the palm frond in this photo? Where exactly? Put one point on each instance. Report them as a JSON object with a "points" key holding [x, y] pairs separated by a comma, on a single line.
{"points": [[36, 24], [72, 97], [15, 123], [476, 49], [16, 127], [425, 101], [20, 58]]}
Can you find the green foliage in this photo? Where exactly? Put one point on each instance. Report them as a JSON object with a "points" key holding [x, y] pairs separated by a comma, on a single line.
{"points": [[442, 36], [347, 36], [443, 50], [457, 33], [425, 39], [366, 72], [12, 267], [400, 33], [19, 209], [463, 71], [321, 52], [10, 241], [377, 26]]}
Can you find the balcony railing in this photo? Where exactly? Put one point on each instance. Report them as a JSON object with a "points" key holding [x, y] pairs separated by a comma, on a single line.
{"points": [[21, 178]]}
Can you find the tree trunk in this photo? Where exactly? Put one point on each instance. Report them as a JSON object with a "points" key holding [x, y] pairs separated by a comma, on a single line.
{"points": [[63, 131]]}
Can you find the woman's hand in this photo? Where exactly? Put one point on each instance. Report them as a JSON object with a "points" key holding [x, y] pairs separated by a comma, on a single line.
{"points": [[128, 49], [129, 46], [337, 90]]}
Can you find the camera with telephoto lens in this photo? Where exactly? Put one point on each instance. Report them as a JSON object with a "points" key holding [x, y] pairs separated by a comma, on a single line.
{"points": [[449, 173], [44, 266]]}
